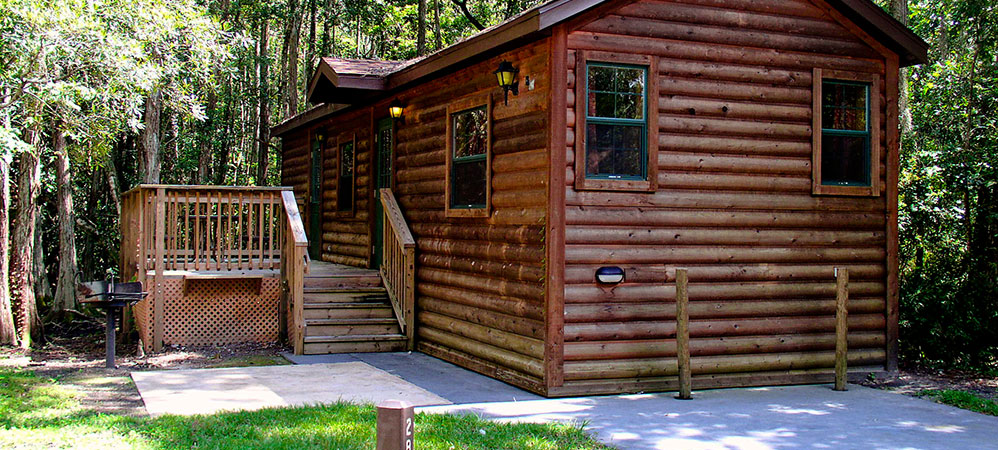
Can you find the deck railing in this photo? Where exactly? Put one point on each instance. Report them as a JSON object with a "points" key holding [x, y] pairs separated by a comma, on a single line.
{"points": [[398, 263], [214, 229], [294, 254]]}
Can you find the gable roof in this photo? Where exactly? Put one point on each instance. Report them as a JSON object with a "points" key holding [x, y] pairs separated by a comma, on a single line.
{"points": [[343, 82]]}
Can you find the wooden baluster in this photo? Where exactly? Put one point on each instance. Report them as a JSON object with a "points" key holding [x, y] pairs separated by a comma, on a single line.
{"points": [[260, 230], [197, 230], [218, 230], [239, 232], [270, 226]]}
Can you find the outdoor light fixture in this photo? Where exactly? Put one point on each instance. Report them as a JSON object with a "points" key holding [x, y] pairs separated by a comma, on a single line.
{"points": [[395, 109], [610, 275], [320, 138], [506, 75]]}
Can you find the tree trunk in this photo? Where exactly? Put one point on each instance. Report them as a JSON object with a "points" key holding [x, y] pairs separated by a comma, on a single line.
{"points": [[421, 29], [899, 9], [43, 289], [437, 39], [263, 128], [289, 58], [22, 262], [328, 25], [310, 56], [65, 287], [8, 334], [149, 162]]}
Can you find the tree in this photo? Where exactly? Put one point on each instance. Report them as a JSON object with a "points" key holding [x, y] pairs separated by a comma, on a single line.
{"points": [[421, 29]]}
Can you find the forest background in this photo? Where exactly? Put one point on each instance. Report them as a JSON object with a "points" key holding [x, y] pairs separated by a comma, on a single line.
{"points": [[97, 96]]}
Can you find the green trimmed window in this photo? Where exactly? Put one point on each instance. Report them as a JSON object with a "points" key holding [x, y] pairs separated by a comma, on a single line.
{"points": [[845, 133], [469, 158], [616, 123]]}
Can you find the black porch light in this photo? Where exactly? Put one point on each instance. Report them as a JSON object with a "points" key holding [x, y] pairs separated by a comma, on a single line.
{"points": [[506, 75], [395, 109]]}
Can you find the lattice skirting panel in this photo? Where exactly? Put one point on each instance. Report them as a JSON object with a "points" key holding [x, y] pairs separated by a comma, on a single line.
{"points": [[142, 315], [215, 312]]}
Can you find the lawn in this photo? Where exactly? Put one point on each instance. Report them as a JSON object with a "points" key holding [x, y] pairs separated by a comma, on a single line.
{"points": [[38, 412], [962, 399]]}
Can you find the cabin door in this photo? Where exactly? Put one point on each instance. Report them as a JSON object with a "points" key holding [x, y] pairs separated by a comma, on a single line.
{"points": [[384, 144], [315, 202]]}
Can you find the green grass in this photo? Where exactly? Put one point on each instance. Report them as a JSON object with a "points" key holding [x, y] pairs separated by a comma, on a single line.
{"points": [[251, 361], [37, 412], [962, 399]]}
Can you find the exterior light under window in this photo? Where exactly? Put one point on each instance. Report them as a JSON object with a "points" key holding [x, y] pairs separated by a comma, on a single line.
{"points": [[320, 138], [610, 275], [506, 76], [395, 109]]}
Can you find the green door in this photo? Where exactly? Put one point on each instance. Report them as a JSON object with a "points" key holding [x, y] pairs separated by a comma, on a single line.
{"points": [[315, 202], [385, 142]]}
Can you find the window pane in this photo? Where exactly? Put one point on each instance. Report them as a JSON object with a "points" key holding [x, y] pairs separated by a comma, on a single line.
{"points": [[845, 160], [629, 80], [601, 78], [616, 92], [628, 107], [614, 151], [470, 132], [843, 106], [468, 183], [346, 159]]}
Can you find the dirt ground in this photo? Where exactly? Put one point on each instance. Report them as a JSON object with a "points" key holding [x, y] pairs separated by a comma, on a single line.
{"points": [[74, 355], [911, 380]]}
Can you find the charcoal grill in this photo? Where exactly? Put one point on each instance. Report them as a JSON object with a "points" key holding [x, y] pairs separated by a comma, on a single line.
{"points": [[112, 298]]}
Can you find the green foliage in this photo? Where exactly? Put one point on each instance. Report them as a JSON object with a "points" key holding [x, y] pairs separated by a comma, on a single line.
{"points": [[962, 400], [948, 192], [40, 413]]}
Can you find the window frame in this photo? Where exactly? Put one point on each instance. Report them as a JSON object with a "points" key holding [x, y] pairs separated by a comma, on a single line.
{"points": [[819, 77], [455, 107], [340, 142], [650, 64]]}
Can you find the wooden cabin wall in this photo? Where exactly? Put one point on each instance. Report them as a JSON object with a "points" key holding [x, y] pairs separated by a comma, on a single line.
{"points": [[346, 235], [480, 281], [733, 204], [295, 165]]}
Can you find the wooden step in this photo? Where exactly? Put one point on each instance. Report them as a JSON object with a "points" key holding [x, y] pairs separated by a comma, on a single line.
{"points": [[358, 310], [350, 281], [321, 345], [351, 327], [344, 296]]}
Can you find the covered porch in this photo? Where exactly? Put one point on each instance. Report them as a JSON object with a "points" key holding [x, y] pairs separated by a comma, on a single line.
{"points": [[227, 265]]}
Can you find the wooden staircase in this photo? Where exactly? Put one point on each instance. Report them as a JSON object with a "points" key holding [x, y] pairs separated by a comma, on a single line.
{"points": [[346, 310]]}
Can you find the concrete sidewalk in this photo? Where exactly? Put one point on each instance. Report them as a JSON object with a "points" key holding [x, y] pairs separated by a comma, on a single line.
{"points": [[207, 391], [758, 418]]}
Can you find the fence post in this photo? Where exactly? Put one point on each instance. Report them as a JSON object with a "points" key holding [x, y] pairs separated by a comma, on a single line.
{"points": [[841, 326], [683, 335], [395, 425]]}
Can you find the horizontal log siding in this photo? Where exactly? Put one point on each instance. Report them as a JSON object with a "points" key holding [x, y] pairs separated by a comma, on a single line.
{"points": [[734, 205], [480, 281], [294, 166]]}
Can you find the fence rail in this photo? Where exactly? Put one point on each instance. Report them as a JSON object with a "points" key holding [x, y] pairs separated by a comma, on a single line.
{"points": [[398, 263]]}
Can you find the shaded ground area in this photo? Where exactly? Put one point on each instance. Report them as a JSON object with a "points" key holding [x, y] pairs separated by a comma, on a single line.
{"points": [[912, 380], [74, 355]]}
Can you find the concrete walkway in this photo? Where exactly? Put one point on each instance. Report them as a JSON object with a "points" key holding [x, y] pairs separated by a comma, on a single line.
{"points": [[758, 419], [206, 391], [750, 419]]}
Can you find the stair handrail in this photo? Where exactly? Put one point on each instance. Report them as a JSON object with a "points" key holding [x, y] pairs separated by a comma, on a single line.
{"points": [[294, 265], [398, 263]]}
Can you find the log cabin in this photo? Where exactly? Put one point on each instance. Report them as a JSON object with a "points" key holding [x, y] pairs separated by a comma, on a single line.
{"points": [[490, 187]]}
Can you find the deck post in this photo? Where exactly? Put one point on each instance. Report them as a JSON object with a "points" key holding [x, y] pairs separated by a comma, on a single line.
{"points": [[159, 239], [683, 335], [841, 327]]}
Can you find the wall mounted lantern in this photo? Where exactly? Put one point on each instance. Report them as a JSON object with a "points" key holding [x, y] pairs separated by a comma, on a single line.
{"points": [[320, 138], [506, 75], [610, 275], [395, 109]]}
